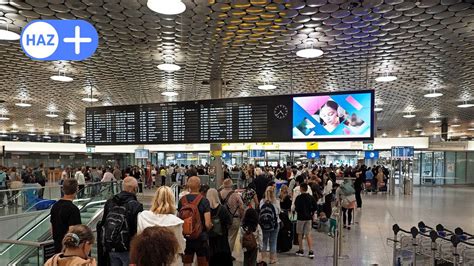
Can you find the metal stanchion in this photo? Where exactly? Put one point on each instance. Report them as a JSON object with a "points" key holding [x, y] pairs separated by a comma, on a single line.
{"points": [[338, 241]]}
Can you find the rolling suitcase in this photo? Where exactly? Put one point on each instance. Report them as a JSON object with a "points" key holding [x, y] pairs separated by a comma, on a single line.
{"points": [[285, 235]]}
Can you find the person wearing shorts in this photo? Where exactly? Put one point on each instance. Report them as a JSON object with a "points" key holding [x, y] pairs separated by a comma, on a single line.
{"points": [[305, 207]]}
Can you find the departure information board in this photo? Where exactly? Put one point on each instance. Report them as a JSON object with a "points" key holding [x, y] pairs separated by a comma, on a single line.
{"points": [[253, 119]]}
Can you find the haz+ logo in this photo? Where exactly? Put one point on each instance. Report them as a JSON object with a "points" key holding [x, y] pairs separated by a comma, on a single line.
{"points": [[49, 40]]}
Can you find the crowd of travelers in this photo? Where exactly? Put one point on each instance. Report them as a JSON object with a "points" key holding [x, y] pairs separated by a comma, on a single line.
{"points": [[279, 207]]}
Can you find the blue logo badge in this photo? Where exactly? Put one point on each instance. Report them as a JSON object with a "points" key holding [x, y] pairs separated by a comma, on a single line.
{"points": [[49, 40]]}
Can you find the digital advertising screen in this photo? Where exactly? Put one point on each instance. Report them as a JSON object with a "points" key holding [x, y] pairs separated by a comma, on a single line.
{"points": [[333, 116]]}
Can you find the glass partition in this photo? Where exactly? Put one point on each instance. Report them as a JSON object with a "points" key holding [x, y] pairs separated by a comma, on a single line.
{"points": [[460, 168], [438, 167], [450, 164], [427, 168], [470, 168]]}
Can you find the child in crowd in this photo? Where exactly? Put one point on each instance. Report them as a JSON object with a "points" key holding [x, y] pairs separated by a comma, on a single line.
{"points": [[333, 221], [250, 237]]}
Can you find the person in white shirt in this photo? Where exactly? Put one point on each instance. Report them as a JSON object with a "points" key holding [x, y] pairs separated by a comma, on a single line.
{"points": [[297, 191], [81, 181], [327, 194], [163, 214], [108, 176]]}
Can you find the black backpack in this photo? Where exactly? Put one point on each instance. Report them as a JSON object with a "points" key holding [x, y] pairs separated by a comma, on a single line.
{"points": [[267, 218], [116, 233]]}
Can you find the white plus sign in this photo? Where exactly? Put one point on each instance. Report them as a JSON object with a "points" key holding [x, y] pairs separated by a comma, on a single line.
{"points": [[77, 40]]}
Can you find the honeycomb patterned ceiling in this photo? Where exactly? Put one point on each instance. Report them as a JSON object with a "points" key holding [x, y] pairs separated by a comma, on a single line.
{"points": [[427, 44]]}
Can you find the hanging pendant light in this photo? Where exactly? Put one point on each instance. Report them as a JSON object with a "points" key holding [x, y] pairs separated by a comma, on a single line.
{"points": [[266, 86], [7, 35], [433, 94], [62, 78], [167, 7], [465, 104], [309, 51], [409, 115], [386, 77], [22, 103]]}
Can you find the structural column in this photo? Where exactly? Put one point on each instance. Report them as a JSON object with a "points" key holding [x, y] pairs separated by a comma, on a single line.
{"points": [[216, 148]]}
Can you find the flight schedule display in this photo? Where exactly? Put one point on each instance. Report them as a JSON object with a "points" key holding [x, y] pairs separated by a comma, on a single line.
{"points": [[252, 119]]}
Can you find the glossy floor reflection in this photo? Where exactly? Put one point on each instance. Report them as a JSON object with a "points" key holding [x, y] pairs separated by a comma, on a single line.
{"points": [[366, 242]]}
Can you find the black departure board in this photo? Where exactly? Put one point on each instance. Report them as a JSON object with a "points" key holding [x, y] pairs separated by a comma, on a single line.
{"points": [[308, 117], [207, 121]]}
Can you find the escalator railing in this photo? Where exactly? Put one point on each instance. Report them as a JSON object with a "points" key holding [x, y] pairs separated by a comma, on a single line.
{"points": [[93, 197]]}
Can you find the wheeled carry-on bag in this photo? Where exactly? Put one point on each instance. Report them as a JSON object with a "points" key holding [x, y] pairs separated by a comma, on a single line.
{"points": [[285, 235]]}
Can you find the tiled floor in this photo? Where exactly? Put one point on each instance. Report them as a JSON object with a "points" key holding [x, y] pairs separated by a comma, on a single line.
{"points": [[366, 243]]}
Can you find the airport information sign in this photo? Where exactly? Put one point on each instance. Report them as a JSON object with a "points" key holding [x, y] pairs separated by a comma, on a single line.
{"points": [[325, 116]]}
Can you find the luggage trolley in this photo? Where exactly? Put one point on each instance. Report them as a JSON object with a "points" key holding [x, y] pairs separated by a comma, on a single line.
{"points": [[466, 242]]}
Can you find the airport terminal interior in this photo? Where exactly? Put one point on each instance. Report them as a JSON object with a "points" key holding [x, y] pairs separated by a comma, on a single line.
{"points": [[345, 123]]}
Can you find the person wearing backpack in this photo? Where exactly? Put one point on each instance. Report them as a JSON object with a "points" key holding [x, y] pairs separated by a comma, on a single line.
{"points": [[234, 204], [219, 249], [305, 207], [119, 222], [195, 211], [269, 222], [250, 237], [345, 196], [40, 176]]}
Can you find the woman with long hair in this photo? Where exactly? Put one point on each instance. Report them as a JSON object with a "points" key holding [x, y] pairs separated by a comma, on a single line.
{"points": [[220, 252], [267, 204], [163, 213], [250, 237]]}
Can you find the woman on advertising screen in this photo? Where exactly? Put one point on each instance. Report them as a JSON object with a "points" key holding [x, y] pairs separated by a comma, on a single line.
{"points": [[329, 115]]}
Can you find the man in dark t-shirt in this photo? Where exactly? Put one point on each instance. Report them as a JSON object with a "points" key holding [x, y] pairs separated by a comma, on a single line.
{"points": [[199, 246], [64, 213]]}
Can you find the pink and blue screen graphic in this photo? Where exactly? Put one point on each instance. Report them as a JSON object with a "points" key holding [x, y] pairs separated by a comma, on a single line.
{"points": [[332, 116]]}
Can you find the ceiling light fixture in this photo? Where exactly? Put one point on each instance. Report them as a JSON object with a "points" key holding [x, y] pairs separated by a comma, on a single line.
{"points": [[465, 105], [4, 118], [435, 120], [169, 93], [409, 115], [169, 67], [22, 103], [433, 94], [418, 130], [455, 125], [71, 122], [309, 51], [7, 35], [266, 86], [378, 109], [52, 115], [90, 99], [386, 77], [62, 78], [167, 7]]}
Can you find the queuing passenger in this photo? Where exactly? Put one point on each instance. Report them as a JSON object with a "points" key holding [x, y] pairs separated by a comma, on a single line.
{"points": [[234, 204], [219, 250], [64, 213], [249, 197], [77, 244], [117, 173], [305, 207], [285, 199], [269, 222], [261, 182], [347, 205], [3, 186], [250, 237], [154, 246], [81, 181], [122, 210], [163, 175], [108, 176], [297, 191], [358, 187], [163, 214], [196, 241], [328, 196], [203, 190], [40, 177]]}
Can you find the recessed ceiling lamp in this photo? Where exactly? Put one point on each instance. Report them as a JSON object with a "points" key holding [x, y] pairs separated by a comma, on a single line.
{"points": [[7, 35], [62, 78], [52, 114], [465, 105], [169, 67], [90, 99], [435, 120], [22, 103], [167, 7], [266, 86], [169, 93], [386, 77], [409, 115], [433, 94], [309, 51]]}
